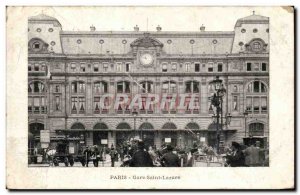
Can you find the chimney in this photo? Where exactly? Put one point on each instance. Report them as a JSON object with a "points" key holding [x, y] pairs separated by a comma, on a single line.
{"points": [[92, 28], [136, 28], [202, 28], [158, 28]]}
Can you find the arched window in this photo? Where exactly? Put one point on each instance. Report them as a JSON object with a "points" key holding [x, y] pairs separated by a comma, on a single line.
{"points": [[78, 126], [35, 128], [146, 87], [256, 87], [123, 87], [100, 87], [123, 126], [192, 126], [169, 87], [146, 126], [100, 135], [256, 129], [78, 87], [100, 126], [169, 126], [256, 98], [36, 87]]}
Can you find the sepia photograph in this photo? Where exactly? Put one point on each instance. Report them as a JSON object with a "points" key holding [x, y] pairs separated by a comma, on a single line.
{"points": [[173, 90], [148, 97]]}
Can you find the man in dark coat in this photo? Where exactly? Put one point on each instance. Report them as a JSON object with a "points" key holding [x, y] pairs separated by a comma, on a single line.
{"points": [[236, 158], [170, 159], [87, 154], [141, 158]]}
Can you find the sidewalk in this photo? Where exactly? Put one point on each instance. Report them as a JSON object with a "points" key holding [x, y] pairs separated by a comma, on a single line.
{"points": [[78, 164]]}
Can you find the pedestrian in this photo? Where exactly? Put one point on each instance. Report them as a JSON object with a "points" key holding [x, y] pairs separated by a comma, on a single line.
{"points": [[169, 159], [141, 158], [152, 153], [87, 154], [96, 156], [252, 156], [236, 158], [113, 154]]}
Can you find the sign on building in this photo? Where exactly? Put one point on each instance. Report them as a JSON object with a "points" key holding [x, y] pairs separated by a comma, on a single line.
{"points": [[45, 136], [168, 140], [103, 141]]}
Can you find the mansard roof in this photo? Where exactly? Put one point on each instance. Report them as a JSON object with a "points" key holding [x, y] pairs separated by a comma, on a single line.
{"points": [[43, 18], [253, 19]]}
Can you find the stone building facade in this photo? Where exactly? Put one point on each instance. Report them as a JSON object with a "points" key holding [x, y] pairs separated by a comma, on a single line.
{"points": [[69, 71]]}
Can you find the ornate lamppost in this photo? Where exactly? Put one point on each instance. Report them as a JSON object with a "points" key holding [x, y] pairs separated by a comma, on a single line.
{"points": [[134, 114], [245, 116], [217, 102]]}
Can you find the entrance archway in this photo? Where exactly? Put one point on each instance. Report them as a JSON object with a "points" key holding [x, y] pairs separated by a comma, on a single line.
{"points": [[147, 133], [169, 131], [100, 133], [123, 134]]}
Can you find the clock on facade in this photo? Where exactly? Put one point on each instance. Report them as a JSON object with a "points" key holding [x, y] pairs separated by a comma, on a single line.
{"points": [[146, 59]]}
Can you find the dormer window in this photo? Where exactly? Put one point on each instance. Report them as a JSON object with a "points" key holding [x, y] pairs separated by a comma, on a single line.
{"points": [[256, 45], [36, 45]]}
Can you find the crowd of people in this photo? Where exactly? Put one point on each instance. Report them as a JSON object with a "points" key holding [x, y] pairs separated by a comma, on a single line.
{"points": [[135, 153]]}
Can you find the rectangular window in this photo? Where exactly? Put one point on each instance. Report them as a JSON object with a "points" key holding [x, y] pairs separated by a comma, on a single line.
{"points": [[256, 104], [174, 67], [263, 67], [57, 103], [264, 107], [187, 67], [29, 68], [74, 105], [249, 66], [81, 87], [96, 68], [256, 66], [210, 67], [96, 105], [249, 104], [164, 68], [197, 67], [120, 88], [73, 67], [256, 86], [43, 105], [173, 87], [81, 105], [119, 67], [127, 67], [74, 87], [36, 105], [36, 67], [235, 103], [105, 67], [82, 68], [165, 87], [220, 67], [188, 87], [57, 88]]}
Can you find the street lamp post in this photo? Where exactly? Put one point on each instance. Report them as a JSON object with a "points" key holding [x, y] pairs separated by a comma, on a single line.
{"points": [[245, 116], [217, 101], [134, 114]]}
